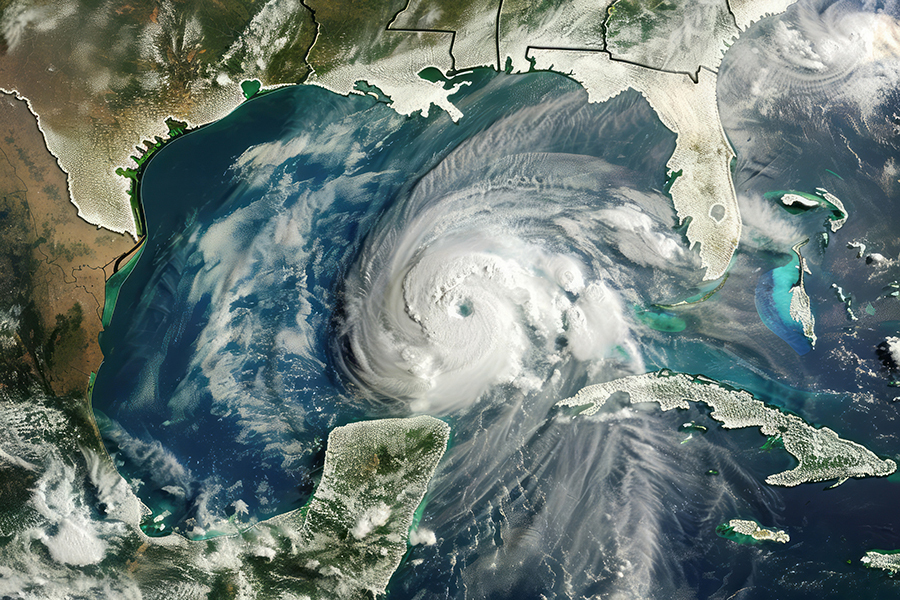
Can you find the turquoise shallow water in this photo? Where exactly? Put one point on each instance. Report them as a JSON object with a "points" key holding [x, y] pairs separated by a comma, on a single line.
{"points": [[156, 385], [773, 303], [314, 260]]}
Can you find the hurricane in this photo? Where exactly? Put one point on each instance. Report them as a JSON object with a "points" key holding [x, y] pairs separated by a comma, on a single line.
{"points": [[315, 260], [501, 266]]}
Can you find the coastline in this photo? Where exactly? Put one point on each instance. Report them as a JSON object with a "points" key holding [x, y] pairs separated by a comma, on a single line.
{"points": [[60, 287]]}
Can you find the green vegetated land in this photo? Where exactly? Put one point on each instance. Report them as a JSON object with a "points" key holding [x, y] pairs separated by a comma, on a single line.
{"points": [[146, 151], [346, 542], [632, 22]]}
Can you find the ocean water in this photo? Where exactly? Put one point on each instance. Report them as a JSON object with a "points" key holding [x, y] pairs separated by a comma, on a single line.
{"points": [[314, 260]]}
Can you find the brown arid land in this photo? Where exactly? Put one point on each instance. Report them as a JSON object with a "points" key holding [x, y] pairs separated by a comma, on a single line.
{"points": [[53, 264], [103, 77]]}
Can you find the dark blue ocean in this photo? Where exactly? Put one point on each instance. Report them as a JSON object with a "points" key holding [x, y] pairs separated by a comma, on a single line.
{"points": [[313, 260]]}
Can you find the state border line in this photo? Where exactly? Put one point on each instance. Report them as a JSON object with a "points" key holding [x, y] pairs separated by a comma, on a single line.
{"points": [[450, 32], [693, 75]]}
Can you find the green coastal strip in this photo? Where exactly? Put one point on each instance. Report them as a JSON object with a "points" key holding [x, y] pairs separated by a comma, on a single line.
{"points": [[671, 177], [90, 387], [746, 531], [114, 284], [145, 152]]}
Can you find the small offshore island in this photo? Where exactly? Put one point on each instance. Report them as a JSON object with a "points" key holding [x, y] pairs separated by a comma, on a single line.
{"points": [[745, 531], [886, 560]]}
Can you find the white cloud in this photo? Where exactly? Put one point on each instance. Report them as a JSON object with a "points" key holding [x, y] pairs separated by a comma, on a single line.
{"points": [[21, 16], [422, 536], [376, 516], [766, 225], [75, 543], [240, 508]]}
